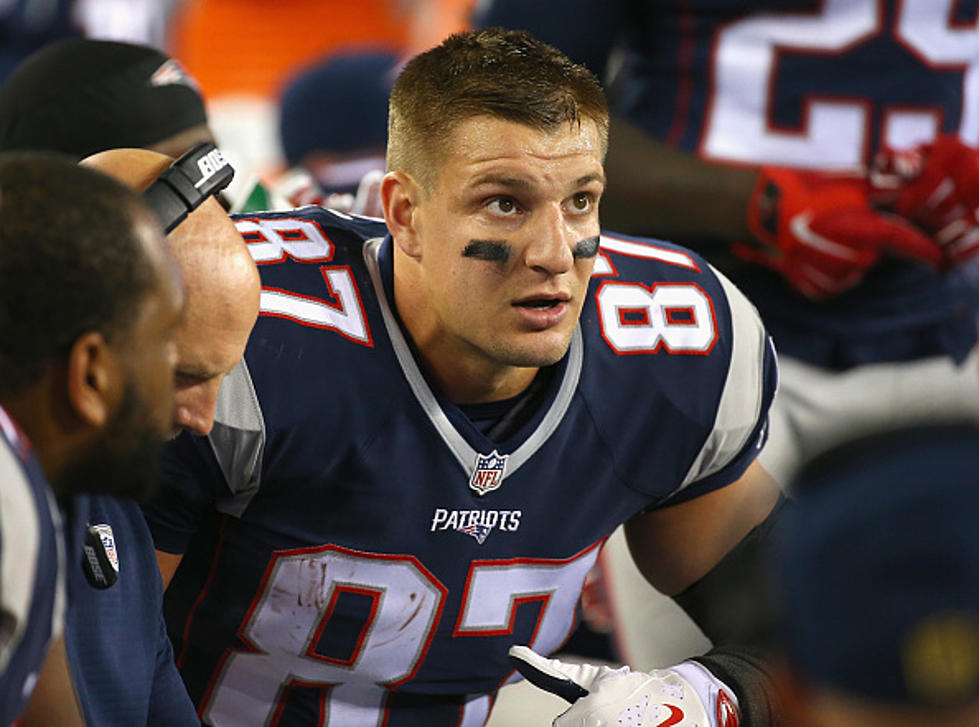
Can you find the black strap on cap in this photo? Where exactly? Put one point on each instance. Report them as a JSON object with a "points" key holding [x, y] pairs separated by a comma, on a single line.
{"points": [[198, 174]]}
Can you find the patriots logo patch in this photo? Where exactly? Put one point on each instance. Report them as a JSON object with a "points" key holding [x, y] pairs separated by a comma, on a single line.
{"points": [[480, 532], [172, 73], [488, 473]]}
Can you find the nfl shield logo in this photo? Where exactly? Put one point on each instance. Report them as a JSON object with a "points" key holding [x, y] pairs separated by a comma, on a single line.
{"points": [[108, 544], [488, 473]]}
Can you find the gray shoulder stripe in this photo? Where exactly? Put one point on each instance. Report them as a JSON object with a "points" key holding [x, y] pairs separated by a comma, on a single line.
{"points": [[238, 438], [741, 398]]}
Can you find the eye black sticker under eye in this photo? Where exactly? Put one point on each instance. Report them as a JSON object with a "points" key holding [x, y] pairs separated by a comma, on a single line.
{"points": [[587, 247], [494, 251]]}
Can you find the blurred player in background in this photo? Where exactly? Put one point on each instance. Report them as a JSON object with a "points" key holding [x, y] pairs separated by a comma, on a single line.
{"points": [[436, 423], [90, 304], [764, 135], [337, 159], [876, 579], [878, 582]]}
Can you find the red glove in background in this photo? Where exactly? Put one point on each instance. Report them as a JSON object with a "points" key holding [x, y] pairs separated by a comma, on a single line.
{"points": [[936, 186], [820, 232]]}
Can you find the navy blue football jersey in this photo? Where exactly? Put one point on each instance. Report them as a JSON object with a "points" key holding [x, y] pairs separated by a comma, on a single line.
{"points": [[358, 552], [118, 650], [31, 570], [817, 84]]}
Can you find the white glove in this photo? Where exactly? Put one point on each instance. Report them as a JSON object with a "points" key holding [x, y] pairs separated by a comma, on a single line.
{"points": [[686, 695]]}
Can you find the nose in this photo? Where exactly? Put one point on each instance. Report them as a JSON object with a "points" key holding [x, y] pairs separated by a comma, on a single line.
{"points": [[550, 251], [195, 406]]}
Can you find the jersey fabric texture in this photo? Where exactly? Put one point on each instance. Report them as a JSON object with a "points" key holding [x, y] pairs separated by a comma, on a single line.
{"points": [[118, 650], [31, 570], [801, 83], [357, 550]]}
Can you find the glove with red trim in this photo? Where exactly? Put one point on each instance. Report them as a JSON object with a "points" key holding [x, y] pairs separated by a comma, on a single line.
{"points": [[936, 186], [820, 232], [686, 695]]}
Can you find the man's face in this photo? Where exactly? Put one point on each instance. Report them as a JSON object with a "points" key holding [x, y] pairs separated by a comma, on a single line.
{"points": [[508, 237], [124, 461], [223, 291], [208, 347], [124, 457]]}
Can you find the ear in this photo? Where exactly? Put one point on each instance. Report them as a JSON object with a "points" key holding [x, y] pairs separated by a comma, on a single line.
{"points": [[399, 198], [94, 379]]}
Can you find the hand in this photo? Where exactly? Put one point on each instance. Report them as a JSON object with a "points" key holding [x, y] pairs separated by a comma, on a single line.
{"points": [[604, 696], [936, 186], [821, 233]]}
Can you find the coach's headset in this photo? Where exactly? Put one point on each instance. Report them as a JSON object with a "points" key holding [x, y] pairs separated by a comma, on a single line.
{"points": [[200, 173], [179, 190]]}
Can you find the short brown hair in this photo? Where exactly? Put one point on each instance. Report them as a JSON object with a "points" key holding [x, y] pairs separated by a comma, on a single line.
{"points": [[494, 72]]}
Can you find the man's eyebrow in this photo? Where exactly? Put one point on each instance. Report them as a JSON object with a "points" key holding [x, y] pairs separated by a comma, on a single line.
{"points": [[500, 180], [507, 180], [589, 178]]}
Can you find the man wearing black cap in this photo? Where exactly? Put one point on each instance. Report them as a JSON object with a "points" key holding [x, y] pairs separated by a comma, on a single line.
{"points": [[337, 159], [82, 96]]}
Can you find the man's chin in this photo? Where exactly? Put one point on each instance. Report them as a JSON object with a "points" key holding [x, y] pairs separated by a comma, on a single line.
{"points": [[123, 464], [542, 353]]}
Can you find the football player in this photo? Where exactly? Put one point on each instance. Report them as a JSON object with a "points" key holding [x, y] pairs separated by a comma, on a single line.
{"points": [[336, 160], [440, 418], [90, 304]]}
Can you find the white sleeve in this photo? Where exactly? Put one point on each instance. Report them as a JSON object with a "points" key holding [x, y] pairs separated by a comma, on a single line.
{"points": [[21, 528]]}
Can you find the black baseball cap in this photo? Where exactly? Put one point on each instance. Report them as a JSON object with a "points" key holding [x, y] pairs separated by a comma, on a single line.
{"points": [[81, 96]]}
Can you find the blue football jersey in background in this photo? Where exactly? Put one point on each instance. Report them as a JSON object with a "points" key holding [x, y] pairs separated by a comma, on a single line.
{"points": [[800, 83]]}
